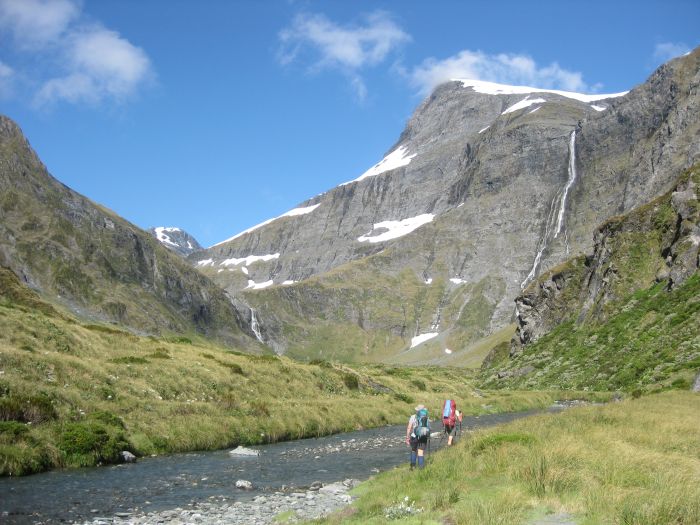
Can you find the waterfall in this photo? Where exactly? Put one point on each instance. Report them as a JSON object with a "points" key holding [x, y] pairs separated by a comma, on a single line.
{"points": [[255, 326], [561, 197], [569, 183], [544, 242]]}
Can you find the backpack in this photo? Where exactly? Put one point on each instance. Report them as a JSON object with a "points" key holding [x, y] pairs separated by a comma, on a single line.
{"points": [[422, 429], [448, 413]]}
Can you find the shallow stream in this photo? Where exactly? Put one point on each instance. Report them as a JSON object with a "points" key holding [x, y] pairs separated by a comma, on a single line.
{"points": [[178, 480]]}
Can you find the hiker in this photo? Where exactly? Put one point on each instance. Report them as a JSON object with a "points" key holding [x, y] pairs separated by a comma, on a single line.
{"points": [[450, 417], [417, 435]]}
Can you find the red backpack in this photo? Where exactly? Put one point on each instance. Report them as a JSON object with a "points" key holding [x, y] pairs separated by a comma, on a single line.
{"points": [[448, 413]]}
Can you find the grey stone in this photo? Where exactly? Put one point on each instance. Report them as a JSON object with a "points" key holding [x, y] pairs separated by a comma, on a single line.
{"points": [[244, 484], [127, 457]]}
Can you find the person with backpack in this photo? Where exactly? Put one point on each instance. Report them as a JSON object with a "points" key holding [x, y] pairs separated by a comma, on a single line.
{"points": [[417, 435], [450, 417]]}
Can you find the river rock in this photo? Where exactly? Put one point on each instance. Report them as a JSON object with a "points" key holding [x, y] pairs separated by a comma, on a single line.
{"points": [[127, 457], [244, 484], [243, 451]]}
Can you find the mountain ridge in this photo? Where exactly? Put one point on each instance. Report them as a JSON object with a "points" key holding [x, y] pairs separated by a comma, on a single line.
{"points": [[88, 259], [512, 192]]}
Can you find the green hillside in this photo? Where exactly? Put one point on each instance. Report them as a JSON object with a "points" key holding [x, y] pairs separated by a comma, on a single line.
{"points": [[74, 394], [625, 318]]}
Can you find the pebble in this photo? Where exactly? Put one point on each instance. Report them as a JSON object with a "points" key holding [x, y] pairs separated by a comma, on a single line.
{"points": [[311, 504]]}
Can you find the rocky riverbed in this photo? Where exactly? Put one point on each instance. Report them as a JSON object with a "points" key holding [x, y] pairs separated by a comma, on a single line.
{"points": [[278, 507]]}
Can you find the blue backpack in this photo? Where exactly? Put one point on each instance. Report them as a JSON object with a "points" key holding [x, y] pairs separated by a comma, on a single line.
{"points": [[422, 430]]}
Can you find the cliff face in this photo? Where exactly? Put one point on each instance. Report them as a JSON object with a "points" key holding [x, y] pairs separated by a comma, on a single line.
{"points": [[624, 316], [486, 188], [85, 257], [657, 242]]}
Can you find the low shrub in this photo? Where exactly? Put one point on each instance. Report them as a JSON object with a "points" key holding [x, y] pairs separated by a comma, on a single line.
{"points": [[30, 409], [12, 429], [129, 360], [351, 381], [89, 443]]}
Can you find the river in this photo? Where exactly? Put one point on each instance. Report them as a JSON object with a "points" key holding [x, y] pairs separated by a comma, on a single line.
{"points": [[167, 482]]}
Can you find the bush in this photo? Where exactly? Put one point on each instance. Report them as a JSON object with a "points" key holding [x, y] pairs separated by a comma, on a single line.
{"points": [[160, 353], [234, 367], [403, 397], [13, 429], [34, 409], [129, 360], [420, 385], [351, 381], [90, 443], [107, 418]]}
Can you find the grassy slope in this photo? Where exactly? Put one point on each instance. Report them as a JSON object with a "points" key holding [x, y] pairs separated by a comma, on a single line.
{"points": [[74, 394], [652, 343], [636, 335], [92, 261], [363, 311], [601, 464]]}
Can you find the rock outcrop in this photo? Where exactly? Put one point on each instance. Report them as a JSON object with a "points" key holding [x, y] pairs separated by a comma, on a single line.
{"points": [[656, 242]]}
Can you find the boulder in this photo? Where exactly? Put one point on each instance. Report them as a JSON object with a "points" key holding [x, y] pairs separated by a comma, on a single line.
{"points": [[127, 457], [244, 484], [243, 451]]}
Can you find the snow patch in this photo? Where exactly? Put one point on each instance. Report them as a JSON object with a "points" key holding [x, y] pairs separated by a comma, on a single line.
{"points": [[448, 351], [429, 281], [527, 101], [493, 88], [484, 129], [244, 270], [287, 283], [538, 107], [457, 280], [162, 237], [205, 262], [598, 108], [393, 160], [395, 229], [259, 286], [247, 261], [422, 338], [291, 213]]}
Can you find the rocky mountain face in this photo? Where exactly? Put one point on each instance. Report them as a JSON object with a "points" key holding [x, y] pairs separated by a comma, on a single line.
{"points": [[629, 311], [487, 187], [657, 242], [176, 240], [83, 256]]}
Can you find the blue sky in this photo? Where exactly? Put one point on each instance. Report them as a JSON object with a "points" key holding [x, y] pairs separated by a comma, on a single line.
{"points": [[217, 115]]}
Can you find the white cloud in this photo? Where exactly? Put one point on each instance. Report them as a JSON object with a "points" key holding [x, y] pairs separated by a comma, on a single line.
{"points": [[665, 51], [347, 49], [502, 68], [6, 79], [35, 23], [101, 64], [68, 57]]}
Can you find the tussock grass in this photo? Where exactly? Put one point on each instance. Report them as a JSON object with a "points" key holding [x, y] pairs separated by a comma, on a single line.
{"points": [[633, 462], [76, 395]]}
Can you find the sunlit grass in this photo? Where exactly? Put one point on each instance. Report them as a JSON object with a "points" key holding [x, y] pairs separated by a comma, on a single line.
{"points": [[161, 395], [634, 462]]}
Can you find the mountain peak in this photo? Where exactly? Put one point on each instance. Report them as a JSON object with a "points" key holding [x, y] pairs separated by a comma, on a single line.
{"points": [[176, 239], [493, 88]]}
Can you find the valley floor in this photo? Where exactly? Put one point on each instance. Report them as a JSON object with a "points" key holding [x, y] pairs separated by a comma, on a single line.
{"points": [[632, 462]]}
